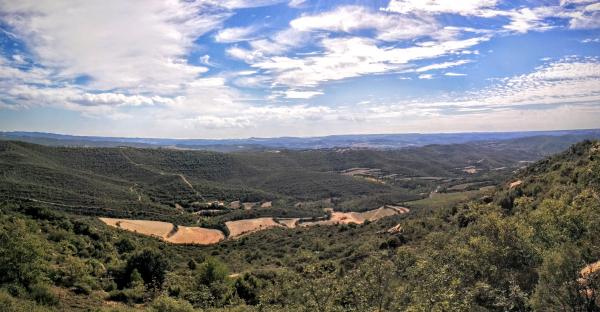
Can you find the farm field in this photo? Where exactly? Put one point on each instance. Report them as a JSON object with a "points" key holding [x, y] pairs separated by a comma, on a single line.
{"points": [[168, 231], [203, 236]]}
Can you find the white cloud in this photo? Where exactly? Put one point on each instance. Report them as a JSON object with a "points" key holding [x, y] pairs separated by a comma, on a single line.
{"points": [[296, 94], [256, 81], [425, 76], [353, 57], [568, 81], [463, 7], [297, 3], [244, 4], [389, 27], [443, 65], [452, 74], [118, 44], [281, 42], [236, 34], [205, 59]]}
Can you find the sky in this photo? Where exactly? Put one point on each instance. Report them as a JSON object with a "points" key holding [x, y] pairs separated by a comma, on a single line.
{"points": [[269, 68]]}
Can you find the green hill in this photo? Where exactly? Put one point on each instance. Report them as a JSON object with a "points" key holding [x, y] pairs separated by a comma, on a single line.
{"points": [[517, 248]]}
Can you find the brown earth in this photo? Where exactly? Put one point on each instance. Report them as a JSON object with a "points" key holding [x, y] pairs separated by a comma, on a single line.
{"points": [[196, 235], [241, 227], [167, 231], [249, 205], [152, 228], [202, 236], [515, 184], [358, 217]]}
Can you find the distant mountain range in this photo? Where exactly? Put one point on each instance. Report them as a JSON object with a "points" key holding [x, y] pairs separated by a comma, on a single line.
{"points": [[375, 141]]}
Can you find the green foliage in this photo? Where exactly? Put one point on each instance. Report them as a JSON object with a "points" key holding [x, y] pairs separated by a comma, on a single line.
{"points": [[148, 264], [519, 249], [21, 254], [211, 271], [43, 295], [168, 304]]}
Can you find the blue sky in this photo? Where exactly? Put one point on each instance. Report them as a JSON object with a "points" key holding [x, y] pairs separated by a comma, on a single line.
{"points": [[241, 68]]}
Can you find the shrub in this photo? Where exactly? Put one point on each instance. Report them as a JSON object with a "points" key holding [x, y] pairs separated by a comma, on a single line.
{"points": [[43, 295], [168, 304], [20, 254], [151, 265]]}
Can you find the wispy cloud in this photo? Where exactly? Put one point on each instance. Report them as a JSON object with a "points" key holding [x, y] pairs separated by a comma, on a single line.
{"points": [[452, 74], [443, 65], [236, 34], [389, 27]]}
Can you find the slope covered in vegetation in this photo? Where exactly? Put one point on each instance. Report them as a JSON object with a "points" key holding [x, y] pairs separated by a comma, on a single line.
{"points": [[517, 248]]}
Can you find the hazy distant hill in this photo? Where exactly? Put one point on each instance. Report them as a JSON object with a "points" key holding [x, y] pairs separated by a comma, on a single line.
{"points": [[379, 141]]}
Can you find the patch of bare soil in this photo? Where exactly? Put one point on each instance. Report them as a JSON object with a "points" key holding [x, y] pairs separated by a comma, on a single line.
{"points": [[376, 214], [249, 206], [395, 229], [167, 231], [241, 227], [470, 170], [266, 204], [515, 184], [361, 171], [196, 235], [151, 228], [358, 217]]}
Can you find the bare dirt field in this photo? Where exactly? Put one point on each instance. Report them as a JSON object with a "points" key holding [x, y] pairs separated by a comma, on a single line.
{"points": [[203, 236], [360, 171], [167, 231], [152, 228], [359, 217], [249, 205], [196, 235], [241, 227]]}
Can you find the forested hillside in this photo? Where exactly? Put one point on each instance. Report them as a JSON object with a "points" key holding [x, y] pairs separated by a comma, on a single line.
{"points": [[519, 247], [159, 183]]}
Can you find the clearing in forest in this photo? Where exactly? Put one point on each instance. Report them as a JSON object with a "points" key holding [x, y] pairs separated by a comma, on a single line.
{"points": [[203, 236], [196, 235], [167, 231], [359, 217], [241, 227]]}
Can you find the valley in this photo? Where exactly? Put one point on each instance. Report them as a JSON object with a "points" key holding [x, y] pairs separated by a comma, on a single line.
{"points": [[128, 229]]}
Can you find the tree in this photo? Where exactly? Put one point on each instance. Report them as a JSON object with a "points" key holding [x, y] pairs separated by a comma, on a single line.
{"points": [[20, 254], [151, 265], [561, 286]]}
